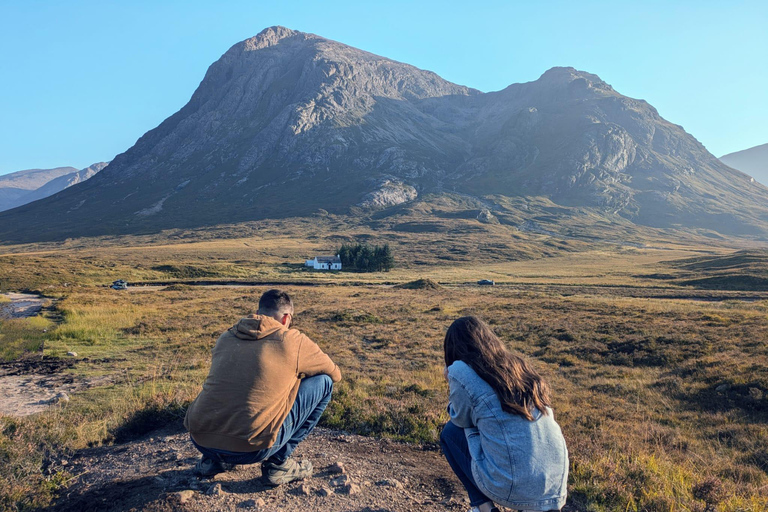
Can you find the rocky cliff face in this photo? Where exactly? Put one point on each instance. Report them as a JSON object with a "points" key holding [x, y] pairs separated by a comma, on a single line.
{"points": [[571, 137], [286, 123], [389, 193]]}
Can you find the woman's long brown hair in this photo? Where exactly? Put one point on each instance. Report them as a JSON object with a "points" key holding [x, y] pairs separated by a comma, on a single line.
{"points": [[519, 387]]}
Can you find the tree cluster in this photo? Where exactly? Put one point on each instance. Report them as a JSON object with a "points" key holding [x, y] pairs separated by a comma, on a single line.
{"points": [[366, 258]]}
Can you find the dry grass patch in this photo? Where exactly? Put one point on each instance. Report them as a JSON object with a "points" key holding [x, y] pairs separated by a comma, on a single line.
{"points": [[20, 336], [663, 402], [419, 284]]}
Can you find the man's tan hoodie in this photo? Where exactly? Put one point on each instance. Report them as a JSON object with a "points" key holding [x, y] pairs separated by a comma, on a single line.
{"points": [[256, 370]]}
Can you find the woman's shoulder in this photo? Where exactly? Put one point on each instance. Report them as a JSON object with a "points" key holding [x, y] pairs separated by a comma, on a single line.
{"points": [[461, 371], [464, 374]]}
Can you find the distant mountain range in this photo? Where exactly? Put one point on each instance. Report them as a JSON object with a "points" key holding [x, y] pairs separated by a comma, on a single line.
{"points": [[22, 187], [286, 123], [752, 161]]}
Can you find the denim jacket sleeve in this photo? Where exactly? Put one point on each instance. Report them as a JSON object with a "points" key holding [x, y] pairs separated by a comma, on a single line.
{"points": [[460, 405]]}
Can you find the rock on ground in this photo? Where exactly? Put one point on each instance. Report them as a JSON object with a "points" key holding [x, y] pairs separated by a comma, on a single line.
{"points": [[352, 473]]}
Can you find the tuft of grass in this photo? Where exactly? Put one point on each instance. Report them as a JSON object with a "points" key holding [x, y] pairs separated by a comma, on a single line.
{"points": [[622, 480], [93, 322], [19, 336], [420, 284], [354, 317]]}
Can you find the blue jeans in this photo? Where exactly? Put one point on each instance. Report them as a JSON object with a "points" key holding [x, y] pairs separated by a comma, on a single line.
{"points": [[456, 450], [311, 400]]}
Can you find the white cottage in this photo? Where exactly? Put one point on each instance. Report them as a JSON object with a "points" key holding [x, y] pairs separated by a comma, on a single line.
{"points": [[324, 263]]}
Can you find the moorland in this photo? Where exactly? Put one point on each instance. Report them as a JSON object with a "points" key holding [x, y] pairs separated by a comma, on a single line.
{"points": [[656, 352], [608, 230]]}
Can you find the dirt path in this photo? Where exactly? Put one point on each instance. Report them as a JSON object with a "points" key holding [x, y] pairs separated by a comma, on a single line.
{"points": [[627, 291], [155, 474], [22, 305], [32, 384]]}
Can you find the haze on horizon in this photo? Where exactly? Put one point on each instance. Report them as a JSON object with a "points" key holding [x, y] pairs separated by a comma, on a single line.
{"points": [[89, 78]]}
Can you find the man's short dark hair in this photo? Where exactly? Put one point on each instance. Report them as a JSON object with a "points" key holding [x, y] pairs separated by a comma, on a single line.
{"points": [[275, 301]]}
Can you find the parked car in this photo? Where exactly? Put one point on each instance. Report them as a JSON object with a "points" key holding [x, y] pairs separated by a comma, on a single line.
{"points": [[119, 285], [486, 282]]}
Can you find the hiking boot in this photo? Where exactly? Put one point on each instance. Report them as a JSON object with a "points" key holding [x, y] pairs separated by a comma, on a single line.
{"points": [[210, 467], [288, 471]]}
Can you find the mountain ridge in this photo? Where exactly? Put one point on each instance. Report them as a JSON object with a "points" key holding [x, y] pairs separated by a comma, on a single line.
{"points": [[286, 123], [752, 161], [22, 187]]}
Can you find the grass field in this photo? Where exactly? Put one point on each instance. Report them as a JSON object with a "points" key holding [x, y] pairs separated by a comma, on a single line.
{"points": [[663, 401]]}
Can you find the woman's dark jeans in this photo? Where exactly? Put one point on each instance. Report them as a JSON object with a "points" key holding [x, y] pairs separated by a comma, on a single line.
{"points": [[311, 400], [456, 450]]}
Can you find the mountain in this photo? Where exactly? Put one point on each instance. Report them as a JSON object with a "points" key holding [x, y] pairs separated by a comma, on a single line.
{"points": [[286, 123], [22, 187], [752, 161], [17, 184]]}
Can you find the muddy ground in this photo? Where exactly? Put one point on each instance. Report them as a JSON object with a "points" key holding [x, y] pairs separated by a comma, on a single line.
{"points": [[34, 383]]}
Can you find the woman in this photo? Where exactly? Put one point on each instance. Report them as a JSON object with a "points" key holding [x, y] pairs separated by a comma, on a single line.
{"points": [[502, 441]]}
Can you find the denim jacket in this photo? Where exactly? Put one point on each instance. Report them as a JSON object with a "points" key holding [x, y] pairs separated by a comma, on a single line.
{"points": [[517, 463]]}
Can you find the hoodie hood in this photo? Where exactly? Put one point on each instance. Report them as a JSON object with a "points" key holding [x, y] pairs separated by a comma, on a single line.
{"points": [[256, 327]]}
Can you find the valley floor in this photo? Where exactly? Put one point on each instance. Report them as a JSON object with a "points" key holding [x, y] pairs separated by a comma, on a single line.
{"points": [[657, 359]]}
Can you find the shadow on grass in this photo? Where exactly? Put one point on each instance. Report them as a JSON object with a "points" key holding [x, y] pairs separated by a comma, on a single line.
{"points": [[147, 420], [751, 399]]}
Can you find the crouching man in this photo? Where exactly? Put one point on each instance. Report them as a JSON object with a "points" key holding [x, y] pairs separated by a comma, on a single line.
{"points": [[266, 390]]}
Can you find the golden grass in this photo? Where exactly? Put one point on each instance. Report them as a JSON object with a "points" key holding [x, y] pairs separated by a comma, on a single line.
{"points": [[20, 336], [91, 323], [663, 402]]}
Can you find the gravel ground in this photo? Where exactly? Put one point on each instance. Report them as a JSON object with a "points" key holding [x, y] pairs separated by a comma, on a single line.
{"points": [[352, 473]]}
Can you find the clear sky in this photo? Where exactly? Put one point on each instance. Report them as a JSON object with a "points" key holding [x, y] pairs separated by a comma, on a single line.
{"points": [[80, 81]]}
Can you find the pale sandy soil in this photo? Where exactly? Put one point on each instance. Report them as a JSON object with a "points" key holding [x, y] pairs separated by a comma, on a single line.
{"points": [[31, 385], [22, 305]]}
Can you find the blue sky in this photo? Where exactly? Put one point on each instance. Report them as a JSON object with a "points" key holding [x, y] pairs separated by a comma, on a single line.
{"points": [[81, 81]]}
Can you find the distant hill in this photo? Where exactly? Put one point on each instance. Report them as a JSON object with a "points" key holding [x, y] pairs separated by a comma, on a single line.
{"points": [[17, 184], [22, 187], [287, 124], [752, 161], [742, 270]]}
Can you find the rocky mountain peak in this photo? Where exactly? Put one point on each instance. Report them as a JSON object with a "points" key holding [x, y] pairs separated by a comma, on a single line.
{"points": [[269, 37], [286, 123], [559, 76]]}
